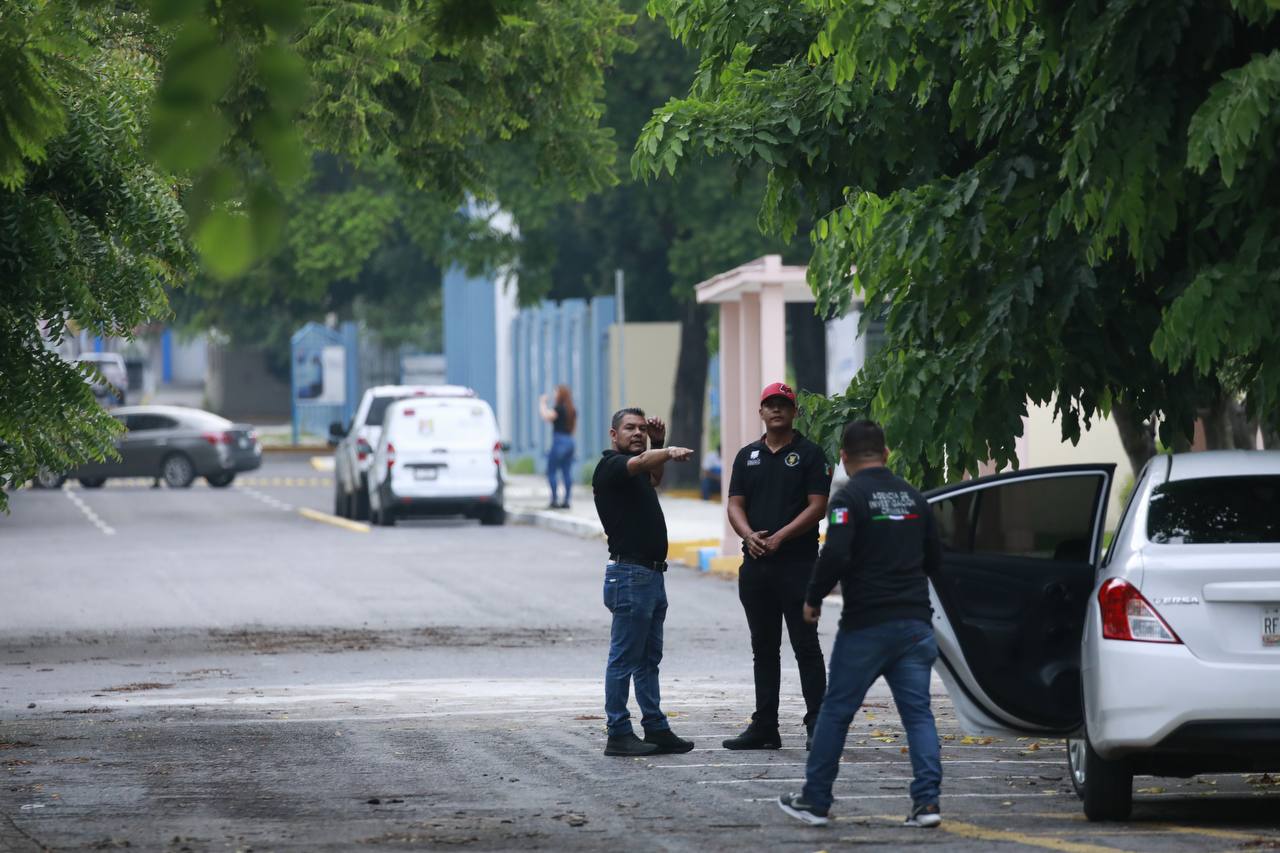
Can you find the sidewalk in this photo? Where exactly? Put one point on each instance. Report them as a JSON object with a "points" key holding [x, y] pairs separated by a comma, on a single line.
{"points": [[691, 524]]}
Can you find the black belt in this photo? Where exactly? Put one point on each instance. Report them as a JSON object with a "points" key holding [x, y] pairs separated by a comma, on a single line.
{"points": [[655, 565]]}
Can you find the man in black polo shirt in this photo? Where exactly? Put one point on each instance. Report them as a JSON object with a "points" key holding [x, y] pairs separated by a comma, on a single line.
{"points": [[634, 582], [777, 496]]}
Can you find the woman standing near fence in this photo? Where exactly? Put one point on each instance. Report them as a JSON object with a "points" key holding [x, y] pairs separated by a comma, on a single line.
{"points": [[563, 417]]}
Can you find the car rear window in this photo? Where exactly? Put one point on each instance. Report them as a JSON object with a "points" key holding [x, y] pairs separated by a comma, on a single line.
{"points": [[378, 410], [1215, 510]]}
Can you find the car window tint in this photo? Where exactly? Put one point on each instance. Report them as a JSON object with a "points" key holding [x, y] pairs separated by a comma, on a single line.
{"points": [[1215, 510], [142, 423], [1048, 518], [955, 521], [378, 409]]}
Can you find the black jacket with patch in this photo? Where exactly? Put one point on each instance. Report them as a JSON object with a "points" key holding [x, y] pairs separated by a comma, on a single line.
{"points": [[882, 543]]}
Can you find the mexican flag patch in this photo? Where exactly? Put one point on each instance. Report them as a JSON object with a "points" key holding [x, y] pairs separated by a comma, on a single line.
{"points": [[839, 515]]}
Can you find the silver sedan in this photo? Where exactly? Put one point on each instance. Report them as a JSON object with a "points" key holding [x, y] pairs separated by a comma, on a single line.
{"points": [[173, 443]]}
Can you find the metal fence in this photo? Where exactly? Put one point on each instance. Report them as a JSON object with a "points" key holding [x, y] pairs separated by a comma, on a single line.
{"points": [[565, 343]]}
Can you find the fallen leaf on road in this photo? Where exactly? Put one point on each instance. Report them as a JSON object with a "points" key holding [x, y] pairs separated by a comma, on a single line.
{"points": [[592, 717], [136, 686], [572, 819], [982, 741], [1156, 790]]}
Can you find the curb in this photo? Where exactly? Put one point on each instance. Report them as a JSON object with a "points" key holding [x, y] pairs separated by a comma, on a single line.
{"points": [[682, 553], [553, 521]]}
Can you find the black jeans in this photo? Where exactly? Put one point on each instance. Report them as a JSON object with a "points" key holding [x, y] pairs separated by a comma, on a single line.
{"points": [[772, 593]]}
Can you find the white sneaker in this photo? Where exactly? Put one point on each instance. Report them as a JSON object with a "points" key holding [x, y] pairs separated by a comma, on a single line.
{"points": [[924, 816], [794, 805]]}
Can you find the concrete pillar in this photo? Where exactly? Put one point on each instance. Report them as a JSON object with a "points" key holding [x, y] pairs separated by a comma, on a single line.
{"points": [[748, 409], [731, 434], [773, 334]]}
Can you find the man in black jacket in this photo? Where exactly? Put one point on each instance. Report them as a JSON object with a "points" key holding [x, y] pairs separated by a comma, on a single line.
{"points": [[882, 543]]}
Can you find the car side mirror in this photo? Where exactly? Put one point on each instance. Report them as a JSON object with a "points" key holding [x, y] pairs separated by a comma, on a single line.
{"points": [[336, 432]]}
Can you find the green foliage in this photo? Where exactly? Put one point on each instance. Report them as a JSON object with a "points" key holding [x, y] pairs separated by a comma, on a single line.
{"points": [[104, 102], [1067, 204], [91, 234], [666, 235]]}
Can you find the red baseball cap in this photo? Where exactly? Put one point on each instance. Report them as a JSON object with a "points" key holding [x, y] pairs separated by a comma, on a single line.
{"points": [[778, 389]]}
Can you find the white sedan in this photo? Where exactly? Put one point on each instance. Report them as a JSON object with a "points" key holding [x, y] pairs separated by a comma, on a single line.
{"points": [[1163, 658]]}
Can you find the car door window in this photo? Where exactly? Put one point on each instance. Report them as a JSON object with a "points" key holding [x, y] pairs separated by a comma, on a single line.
{"points": [[1049, 519], [149, 423]]}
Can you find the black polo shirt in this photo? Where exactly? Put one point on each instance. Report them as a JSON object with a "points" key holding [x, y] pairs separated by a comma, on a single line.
{"points": [[629, 510], [777, 487]]}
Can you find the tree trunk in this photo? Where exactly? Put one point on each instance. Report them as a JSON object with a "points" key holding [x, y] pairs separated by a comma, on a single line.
{"points": [[689, 394], [1227, 426], [808, 348], [1136, 434]]}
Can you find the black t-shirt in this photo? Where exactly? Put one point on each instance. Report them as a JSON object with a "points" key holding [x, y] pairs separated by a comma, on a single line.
{"points": [[629, 509], [777, 487], [561, 423]]}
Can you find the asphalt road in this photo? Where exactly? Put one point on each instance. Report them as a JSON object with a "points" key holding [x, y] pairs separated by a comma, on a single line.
{"points": [[209, 669]]}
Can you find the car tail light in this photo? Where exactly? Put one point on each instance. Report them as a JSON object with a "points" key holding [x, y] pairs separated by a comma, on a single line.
{"points": [[391, 456], [362, 449], [1126, 615], [216, 438], [497, 453]]}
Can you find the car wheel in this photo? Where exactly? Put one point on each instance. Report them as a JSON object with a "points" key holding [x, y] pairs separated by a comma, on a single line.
{"points": [[92, 482], [1105, 786], [49, 480], [339, 500], [360, 501], [177, 471], [221, 481], [493, 516]]}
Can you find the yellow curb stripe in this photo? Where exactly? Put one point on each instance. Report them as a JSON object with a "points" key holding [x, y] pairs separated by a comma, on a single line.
{"points": [[346, 523], [978, 833]]}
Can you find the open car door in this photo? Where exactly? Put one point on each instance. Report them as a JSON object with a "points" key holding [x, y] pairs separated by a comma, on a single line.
{"points": [[1009, 602]]}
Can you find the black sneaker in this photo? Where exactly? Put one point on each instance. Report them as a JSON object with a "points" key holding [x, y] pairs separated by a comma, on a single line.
{"points": [[924, 816], [755, 737], [629, 746], [667, 742], [794, 805]]}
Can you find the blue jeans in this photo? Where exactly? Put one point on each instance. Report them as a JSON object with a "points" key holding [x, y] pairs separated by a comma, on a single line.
{"points": [[637, 597], [903, 651], [560, 461]]}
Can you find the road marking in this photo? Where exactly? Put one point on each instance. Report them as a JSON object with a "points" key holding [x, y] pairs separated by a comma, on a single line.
{"points": [[346, 523], [266, 499], [324, 464], [947, 796], [1000, 776], [978, 833], [1232, 835], [845, 763], [107, 529]]}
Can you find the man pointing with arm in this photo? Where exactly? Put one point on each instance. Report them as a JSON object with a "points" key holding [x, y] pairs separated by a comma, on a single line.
{"points": [[882, 544], [634, 581]]}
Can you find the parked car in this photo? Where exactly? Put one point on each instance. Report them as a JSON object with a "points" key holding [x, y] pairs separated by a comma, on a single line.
{"points": [[354, 444], [113, 382], [1163, 658], [437, 456], [176, 444]]}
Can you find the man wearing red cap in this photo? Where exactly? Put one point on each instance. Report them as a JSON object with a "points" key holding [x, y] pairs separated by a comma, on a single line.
{"points": [[777, 495]]}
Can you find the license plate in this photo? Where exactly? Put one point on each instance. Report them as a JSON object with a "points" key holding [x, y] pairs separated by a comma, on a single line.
{"points": [[1271, 626], [424, 473]]}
